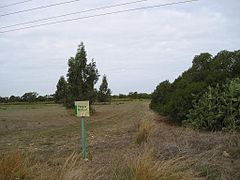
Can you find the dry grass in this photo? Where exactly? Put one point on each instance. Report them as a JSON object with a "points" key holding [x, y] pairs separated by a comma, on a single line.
{"points": [[112, 134], [75, 168], [68, 170], [15, 165], [144, 167], [144, 128], [147, 167], [212, 155]]}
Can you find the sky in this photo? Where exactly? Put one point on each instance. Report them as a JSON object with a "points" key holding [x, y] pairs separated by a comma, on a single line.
{"points": [[136, 50]]}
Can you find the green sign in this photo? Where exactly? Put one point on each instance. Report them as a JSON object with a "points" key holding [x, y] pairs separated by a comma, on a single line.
{"points": [[82, 108]]}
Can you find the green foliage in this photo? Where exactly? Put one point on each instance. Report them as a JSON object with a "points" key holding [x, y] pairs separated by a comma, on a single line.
{"points": [[81, 78], [209, 172], [95, 95], [29, 97], [14, 99], [217, 109], [104, 94], [159, 97], [92, 79], [4, 99], [136, 95], [61, 92], [175, 99], [120, 96], [133, 95]]}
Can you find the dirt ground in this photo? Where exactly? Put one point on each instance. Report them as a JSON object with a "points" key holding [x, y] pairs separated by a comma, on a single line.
{"points": [[51, 134]]}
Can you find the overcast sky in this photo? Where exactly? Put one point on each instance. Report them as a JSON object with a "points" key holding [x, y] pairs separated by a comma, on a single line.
{"points": [[136, 50]]}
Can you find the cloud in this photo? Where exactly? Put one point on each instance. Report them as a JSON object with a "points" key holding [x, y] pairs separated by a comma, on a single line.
{"points": [[135, 50]]}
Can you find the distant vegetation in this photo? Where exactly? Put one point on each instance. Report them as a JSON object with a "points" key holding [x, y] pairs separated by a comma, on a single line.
{"points": [[133, 95], [27, 97], [190, 95]]}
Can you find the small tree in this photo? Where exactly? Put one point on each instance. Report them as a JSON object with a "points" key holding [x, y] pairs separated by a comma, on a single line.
{"points": [[30, 96], [14, 99], [104, 93], [61, 92], [133, 95]]}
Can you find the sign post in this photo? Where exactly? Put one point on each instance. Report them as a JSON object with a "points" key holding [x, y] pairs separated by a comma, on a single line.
{"points": [[82, 110], [83, 139]]}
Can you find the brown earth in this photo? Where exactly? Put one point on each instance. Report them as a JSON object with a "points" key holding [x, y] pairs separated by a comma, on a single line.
{"points": [[50, 134]]}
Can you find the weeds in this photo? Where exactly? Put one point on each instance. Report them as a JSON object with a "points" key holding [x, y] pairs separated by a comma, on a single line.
{"points": [[144, 167], [67, 170], [15, 165], [144, 128], [3, 108], [208, 172]]}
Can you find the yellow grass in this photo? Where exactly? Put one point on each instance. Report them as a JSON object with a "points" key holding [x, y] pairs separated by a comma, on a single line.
{"points": [[144, 128], [14, 165], [144, 167], [68, 170]]}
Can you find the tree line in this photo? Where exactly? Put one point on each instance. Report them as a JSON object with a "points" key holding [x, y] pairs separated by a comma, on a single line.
{"points": [[133, 95], [103, 95], [179, 100], [27, 97]]}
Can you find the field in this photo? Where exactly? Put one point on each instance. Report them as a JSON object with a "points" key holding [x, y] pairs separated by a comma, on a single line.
{"points": [[125, 140]]}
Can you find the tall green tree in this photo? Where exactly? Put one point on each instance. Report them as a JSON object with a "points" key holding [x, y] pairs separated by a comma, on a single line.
{"points": [[92, 78], [81, 77], [61, 92], [104, 94]]}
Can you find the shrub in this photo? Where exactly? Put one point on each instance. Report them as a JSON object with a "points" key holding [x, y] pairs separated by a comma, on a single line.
{"points": [[175, 99], [144, 167], [217, 109], [15, 165], [144, 128]]}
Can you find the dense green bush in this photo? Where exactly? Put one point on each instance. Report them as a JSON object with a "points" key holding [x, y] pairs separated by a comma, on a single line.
{"points": [[175, 99], [217, 108], [160, 96]]}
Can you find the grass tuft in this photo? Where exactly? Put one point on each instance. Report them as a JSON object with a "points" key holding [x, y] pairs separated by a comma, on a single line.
{"points": [[68, 170], [144, 167], [209, 172], [144, 128], [15, 165]]}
